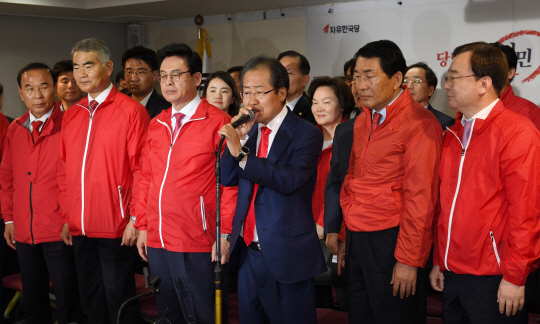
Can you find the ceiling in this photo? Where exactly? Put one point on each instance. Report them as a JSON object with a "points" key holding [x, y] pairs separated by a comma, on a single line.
{"points": [[144, 10]]}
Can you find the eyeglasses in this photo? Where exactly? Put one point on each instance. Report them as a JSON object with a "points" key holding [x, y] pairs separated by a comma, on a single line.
{"points": [[136, 73], [175, 76], [258, 94], [413, 82], [450, 79]]}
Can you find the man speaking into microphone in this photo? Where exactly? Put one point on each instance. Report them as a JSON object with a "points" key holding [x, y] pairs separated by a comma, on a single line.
{"points": [[273, 161]]}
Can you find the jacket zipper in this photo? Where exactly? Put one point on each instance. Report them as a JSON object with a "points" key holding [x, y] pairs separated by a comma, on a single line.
{"points": [[31, 216], [463, 153], [495, 248], [83, 168], [173, 140], [120, 200], [203, 215]]}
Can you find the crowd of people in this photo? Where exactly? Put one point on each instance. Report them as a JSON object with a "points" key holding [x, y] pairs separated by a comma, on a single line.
{"points": [[355, 185]]}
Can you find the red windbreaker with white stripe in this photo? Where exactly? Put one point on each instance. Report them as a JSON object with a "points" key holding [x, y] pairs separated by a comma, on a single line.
{"points": [[489, 222], [28, 180], [177, 200], [100, 164]]}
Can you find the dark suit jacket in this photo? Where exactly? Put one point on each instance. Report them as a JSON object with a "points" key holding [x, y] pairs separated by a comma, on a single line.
{"points": [[156, 103], [339, 164], [444, 119], [303, 109], [283, 211]]}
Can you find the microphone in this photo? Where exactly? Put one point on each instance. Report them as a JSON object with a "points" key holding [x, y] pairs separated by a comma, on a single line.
{"points": [[243, 119]]}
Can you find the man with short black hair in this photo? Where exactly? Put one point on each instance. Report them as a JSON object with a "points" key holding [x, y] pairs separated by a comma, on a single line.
{"points": [[29, 196], [235, 72], [517, 104], [298, 69], [389, 194], [176, 210], [141, 69], [421, 82], [66, 87], [273, 161], [486, 237], [100, 165]]}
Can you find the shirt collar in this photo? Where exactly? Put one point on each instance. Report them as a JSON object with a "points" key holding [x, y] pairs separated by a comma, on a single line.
{"points": [[102, 96], [189, 109], [383, 111], [277, 121], [482, 114], [293, 103], [145, 100], [43, 118]]}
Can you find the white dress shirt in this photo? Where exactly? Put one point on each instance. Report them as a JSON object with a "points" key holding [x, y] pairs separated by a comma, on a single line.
{"points": [[293, 103], [188, 110], [102, 96], [145, 100], [482, 114], [274, 125]]}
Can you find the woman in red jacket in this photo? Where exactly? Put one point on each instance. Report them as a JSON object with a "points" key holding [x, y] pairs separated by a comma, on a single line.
{"points": [[331, 101]]}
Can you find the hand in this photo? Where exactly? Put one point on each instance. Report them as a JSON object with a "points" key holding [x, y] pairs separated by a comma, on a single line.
{"points": [[130, 234], [320, 231], [436, 278], [9, 235], [340, 257], [224, 251], [510, 297], [233, 140], [404, 280], [332, 243], [65, 236], [243, 129], [141, 245]]}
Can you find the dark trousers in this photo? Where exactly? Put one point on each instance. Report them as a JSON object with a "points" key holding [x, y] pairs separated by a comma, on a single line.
{"points": [[369, 264], [262, 299], [187, 290], [106, 279], [38, 262], [473, 299]]}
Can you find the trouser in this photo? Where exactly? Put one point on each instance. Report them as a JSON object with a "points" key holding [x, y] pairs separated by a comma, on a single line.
{"points": [[369, 265], [106, 279], [187, 289], [262, 299], [37, 263], [473, 299]]}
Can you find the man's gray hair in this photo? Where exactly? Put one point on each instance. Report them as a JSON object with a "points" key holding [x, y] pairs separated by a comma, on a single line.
{"points": [[93, 45]]}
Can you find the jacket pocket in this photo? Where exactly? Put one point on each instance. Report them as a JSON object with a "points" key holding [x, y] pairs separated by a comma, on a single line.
{"points": [[203, 215], [120, 201], [495, 248]]}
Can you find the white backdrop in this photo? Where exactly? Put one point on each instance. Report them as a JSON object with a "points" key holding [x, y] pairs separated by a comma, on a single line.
{"points": [[427, 31]]}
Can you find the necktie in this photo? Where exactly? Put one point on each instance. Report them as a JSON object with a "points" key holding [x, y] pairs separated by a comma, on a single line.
{"points": [[93, 106], [375, 122], [467, 133], [35, 130], [178, 116], [249, 225]]}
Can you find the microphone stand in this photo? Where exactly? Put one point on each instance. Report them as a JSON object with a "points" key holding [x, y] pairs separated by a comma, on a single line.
{"points": [[154, 284], [218, 272]]}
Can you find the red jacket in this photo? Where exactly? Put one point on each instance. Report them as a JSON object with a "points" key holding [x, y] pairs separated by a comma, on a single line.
{"points": [[100, 165], [490, 198], [323, 168], [177, 200], [521, 106], [392, 178], [28, 179]]}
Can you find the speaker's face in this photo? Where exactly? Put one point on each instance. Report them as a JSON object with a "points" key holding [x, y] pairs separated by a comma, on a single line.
{"points": [[139, 77]]}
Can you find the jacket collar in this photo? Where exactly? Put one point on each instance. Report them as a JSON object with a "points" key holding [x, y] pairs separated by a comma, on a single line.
{"points": [[110, 99], [49, 123], [508, 95], [281, 141], [479, 124], [400, 103], [200, 113]]}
